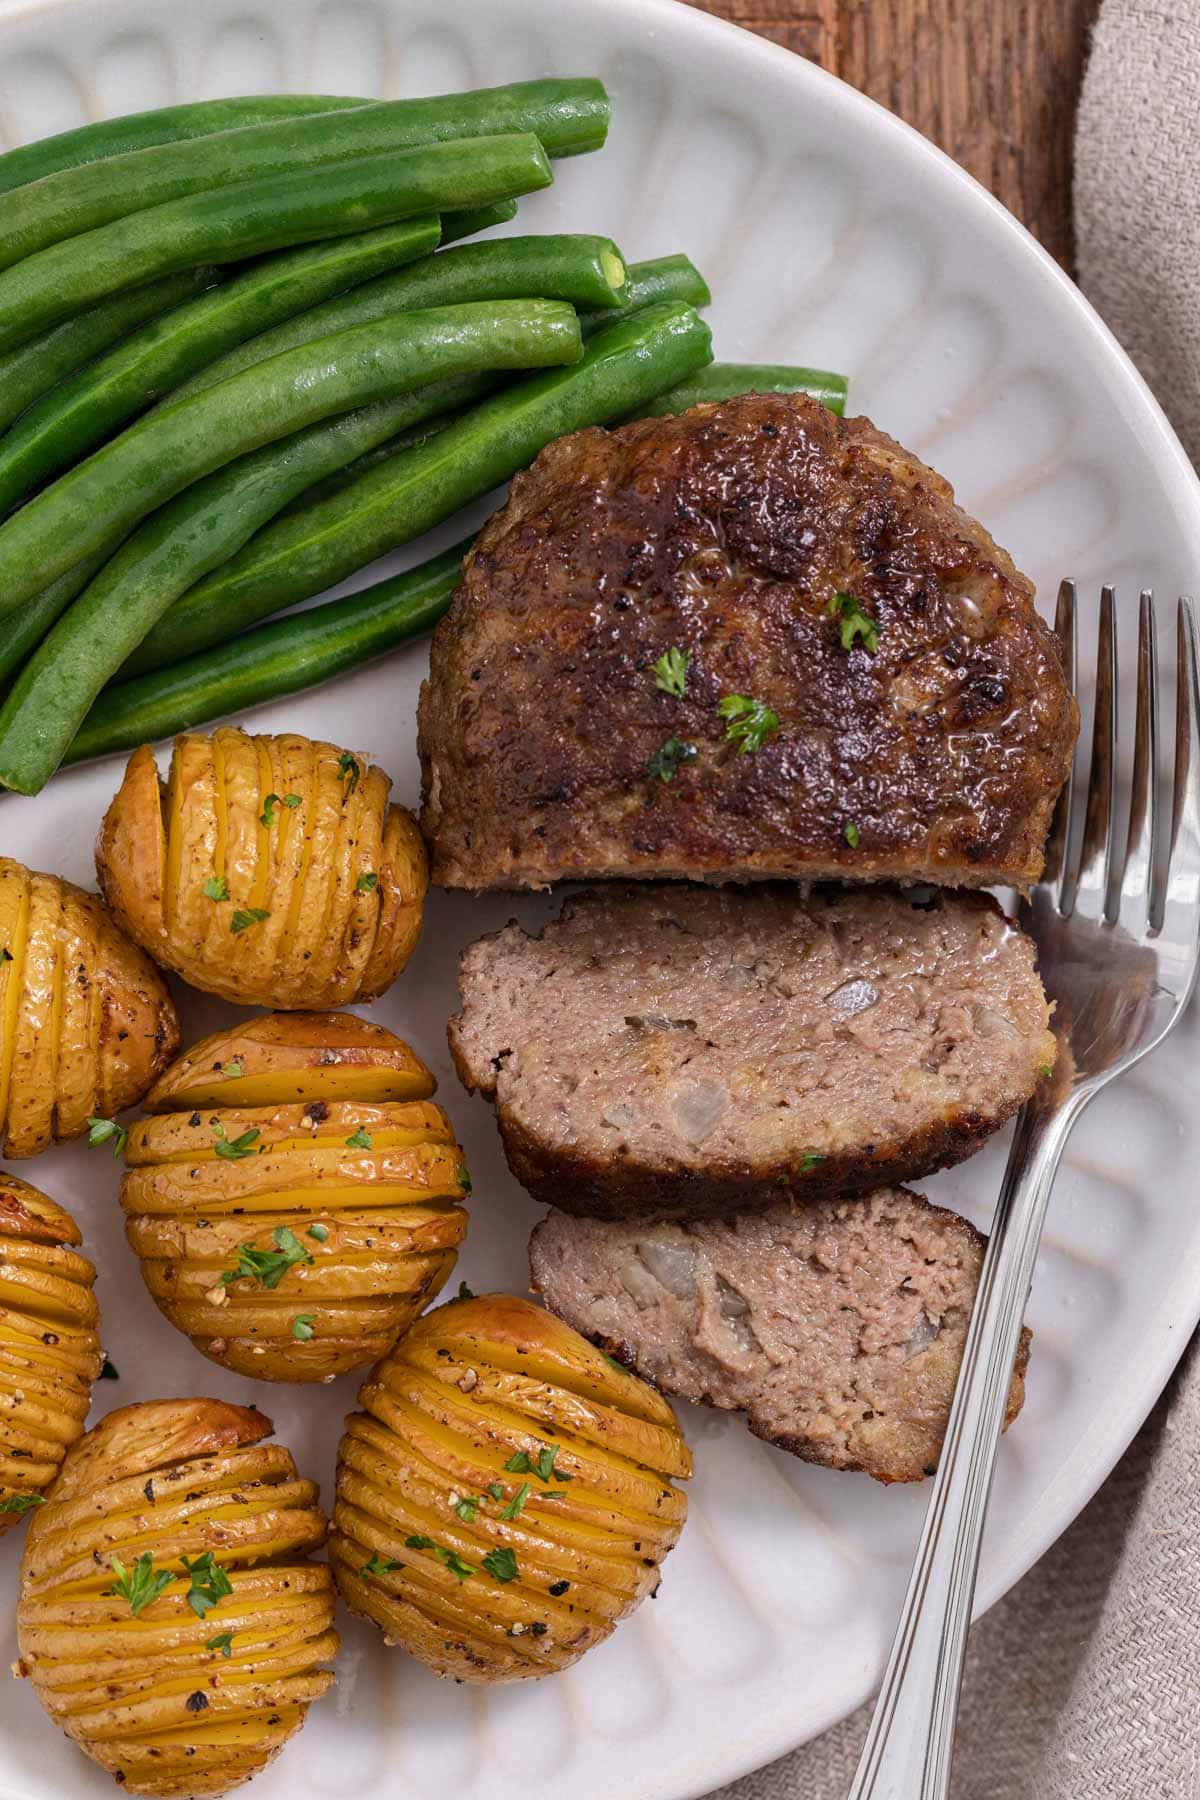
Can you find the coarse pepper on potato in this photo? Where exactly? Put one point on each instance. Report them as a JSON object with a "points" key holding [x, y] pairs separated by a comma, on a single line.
{"points": [[269, 870]]}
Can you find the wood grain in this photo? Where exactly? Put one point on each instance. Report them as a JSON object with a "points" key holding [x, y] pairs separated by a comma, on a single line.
{"points": [[994, 82]]}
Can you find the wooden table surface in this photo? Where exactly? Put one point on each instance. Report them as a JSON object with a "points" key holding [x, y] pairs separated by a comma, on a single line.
{"points": [[994, 82]]}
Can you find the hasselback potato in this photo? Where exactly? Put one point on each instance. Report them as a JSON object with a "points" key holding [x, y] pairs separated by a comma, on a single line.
{"points": [[86, 1022], [296, 1199], [49, 1352], [505, 1495], [169, 1617], [269, 870]]}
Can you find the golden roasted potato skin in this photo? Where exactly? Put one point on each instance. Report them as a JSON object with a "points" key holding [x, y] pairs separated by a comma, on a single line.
{"points": [[472, 1386], [148, 1696], [49, 1351], [296, 830], [386, 1210], [86, 1022], [284, 1058]]}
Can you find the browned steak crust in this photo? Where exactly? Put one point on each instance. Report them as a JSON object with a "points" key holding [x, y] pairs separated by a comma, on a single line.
{"points": [[726, 533], [837, 1327], [662, 1048]]}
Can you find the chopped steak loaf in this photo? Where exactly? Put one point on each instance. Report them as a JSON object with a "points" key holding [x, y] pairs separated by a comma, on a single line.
{"points": [[836, 1326], [868, 692], [665, 1049]]}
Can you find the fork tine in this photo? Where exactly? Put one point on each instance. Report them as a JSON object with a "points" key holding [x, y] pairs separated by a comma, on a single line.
{"points": [[1182, 907], [1133, 906], [1095, 862], [1057, 843]]}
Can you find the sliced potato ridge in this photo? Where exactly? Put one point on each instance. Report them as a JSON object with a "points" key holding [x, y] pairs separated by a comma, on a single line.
{"points": [[479, 1531]]}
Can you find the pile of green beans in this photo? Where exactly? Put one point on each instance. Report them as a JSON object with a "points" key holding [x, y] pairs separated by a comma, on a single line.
{"points": [[364, 366], [228, 224], [238, 362], [567, 117]]}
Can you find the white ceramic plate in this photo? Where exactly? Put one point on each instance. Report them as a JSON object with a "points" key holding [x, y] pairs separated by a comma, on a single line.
{"points": [[832, 235]]}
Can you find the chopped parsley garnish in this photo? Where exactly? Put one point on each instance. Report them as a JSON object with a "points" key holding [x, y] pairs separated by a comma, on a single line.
{"points": [[516, 1505], [670, 672], [302, 1327], [366, 881], [670, 758], [222, 1642], [216, 888], [141, 1585], [233, 1149], [246, 916], [320, 1232], [361, 1140], [107, 1131], [232, 1070], [811, 1159], [542, 1465], [464, 1292], [850, 833], [464, 1177], [854, 622], [613, 1363], [6, 954], [467, 1510], [350, 772], [496, 1490], [1045, 1070], [210, 1583], [292, 801], [456, 1564], [268, 1267], [748, 723], [20, 1504], [268, 815], [378, 1565], [502, 1564]]}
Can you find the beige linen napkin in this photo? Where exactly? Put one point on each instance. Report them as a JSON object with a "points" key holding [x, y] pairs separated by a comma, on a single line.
{"points": [[1084, 1683]]}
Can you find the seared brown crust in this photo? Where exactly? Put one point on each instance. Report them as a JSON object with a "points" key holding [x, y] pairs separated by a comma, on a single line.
{"points": [[837, 1329], [819, 1102], [726, 533], [589, 1188]]}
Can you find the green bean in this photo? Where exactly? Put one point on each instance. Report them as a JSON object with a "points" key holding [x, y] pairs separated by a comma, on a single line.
{"points": [[220, 513], [277, 659], [584, 270], [308, 550], [257, 216], [162, 125], [28, 373], [158, 457], [472, 389], [51, 695], [724, 381], [567, 116], [457, 225], [651, 283], [26, 631], [86, 411], [648, 283]]}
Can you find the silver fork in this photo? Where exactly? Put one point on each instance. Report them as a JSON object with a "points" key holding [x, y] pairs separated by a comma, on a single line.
{"points": [[1118, 945]]}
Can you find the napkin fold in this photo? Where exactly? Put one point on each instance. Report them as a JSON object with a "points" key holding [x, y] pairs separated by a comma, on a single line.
{"points": [[1084, 1682]]}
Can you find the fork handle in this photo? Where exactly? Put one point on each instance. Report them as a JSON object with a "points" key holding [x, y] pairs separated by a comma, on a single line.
{"points": [[910, 1746]]}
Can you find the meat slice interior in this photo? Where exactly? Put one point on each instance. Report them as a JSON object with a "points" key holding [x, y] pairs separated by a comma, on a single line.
{"points": [[836, 1326], [672, 1048]]}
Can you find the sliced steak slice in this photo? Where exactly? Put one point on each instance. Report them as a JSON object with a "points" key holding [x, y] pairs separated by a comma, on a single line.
{"points": [[672, 1049], [912, 720], [837, 1326]]}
